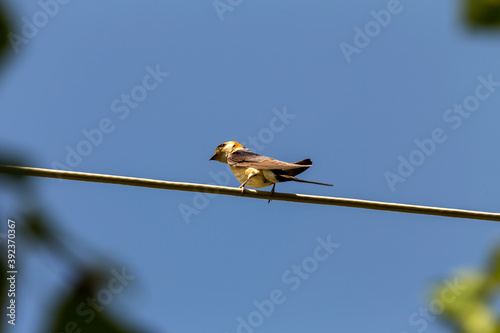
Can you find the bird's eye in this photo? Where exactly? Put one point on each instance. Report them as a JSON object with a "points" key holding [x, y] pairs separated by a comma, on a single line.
{"points": [[221, 145]]}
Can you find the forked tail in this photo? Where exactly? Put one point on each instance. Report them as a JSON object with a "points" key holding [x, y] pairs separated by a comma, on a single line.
{"points": [[284, 178]]}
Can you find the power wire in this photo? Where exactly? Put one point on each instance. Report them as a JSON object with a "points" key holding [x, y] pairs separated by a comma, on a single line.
{"points": [[223, 190]]}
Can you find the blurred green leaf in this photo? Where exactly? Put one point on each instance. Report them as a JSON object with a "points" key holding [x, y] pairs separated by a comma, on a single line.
{"points": [[466, 298], [36, 227], [81, 310], [466, 307], [4, 30], [483, 13]]}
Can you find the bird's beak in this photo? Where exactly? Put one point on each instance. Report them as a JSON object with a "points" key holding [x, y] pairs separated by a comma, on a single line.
{"points": [[213, 157]]}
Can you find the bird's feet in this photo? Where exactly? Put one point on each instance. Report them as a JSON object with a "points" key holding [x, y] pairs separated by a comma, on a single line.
{"points": [[242, 186], [272, 192]]}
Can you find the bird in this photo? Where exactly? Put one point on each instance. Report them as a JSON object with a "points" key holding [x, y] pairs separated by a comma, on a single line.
{"points": [[259, 171]]}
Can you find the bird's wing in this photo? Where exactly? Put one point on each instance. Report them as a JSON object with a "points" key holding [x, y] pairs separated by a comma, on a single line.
{"points": [[247, 158]]}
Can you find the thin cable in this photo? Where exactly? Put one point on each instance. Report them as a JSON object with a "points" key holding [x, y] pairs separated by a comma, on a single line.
{"points": [[191, 187]]}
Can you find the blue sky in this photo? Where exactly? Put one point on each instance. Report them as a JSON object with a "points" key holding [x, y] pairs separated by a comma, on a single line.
{"points": [[158, 85]]}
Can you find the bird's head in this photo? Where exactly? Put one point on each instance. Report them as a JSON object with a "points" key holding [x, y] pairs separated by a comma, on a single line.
{"points": [[224, 150]]}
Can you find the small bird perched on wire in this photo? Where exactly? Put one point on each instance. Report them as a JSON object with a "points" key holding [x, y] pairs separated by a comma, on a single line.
{"points": [[259, 171]]}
